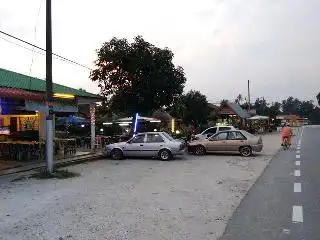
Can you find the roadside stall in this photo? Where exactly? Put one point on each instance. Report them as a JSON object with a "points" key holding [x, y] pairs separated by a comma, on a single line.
{"points": [[258, 124], [23, 112], [232, 114]]}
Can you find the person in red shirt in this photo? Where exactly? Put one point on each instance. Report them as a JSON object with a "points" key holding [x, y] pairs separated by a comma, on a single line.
{"points": [[286, 133]]}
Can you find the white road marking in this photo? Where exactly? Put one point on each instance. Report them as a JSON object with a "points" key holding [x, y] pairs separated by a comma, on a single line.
{"points": [[301, 133], [297, 163], [297, 173], [286, 231], [297, 214], [298, 152], [297, 187], [297, 156]]}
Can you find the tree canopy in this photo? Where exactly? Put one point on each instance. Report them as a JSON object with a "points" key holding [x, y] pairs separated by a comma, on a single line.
{"points": [[192, 108], [239, 99], [137, 76], [318, 98]]}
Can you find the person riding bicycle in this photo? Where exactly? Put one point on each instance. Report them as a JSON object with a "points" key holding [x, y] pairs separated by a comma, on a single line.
{"points": [[286, 134]]}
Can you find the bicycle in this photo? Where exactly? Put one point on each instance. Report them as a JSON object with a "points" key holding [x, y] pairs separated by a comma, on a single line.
{"points": [[286, 144]]}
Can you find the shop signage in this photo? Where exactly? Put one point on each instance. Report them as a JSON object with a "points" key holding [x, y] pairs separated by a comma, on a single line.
{"points": [[58, 106]]}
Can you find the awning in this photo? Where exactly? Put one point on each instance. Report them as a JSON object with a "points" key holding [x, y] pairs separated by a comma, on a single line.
{"points": [[258, 117], [17, 93]]}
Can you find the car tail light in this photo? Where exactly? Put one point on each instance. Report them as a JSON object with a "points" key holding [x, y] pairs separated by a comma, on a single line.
{"points": [[260, 140]]}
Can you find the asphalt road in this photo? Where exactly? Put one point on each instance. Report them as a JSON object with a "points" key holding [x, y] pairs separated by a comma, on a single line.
{"points": [[284, 203]]}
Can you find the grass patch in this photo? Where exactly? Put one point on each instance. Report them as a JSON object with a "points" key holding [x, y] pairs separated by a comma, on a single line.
{"points": [[56, 173]]}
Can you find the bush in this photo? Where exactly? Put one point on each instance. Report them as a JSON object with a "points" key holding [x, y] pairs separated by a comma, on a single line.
{"points": [[179, 135]]}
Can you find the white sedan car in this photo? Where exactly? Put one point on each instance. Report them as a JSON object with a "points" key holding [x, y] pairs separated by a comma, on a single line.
{"points": [[149, 144], [213, 130]]}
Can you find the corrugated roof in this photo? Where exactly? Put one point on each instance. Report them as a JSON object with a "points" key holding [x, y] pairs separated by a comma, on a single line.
{"points": [[233, 108], [16, 80], [20, 94], [239, 111]]}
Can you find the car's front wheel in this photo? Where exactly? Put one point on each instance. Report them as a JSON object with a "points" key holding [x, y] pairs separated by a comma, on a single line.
{"points": [[165, 155], [246, 151], [199, 150], [116, 154]]}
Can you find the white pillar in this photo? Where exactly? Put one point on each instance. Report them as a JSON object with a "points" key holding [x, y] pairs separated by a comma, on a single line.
{"points": [[93, 125], [53, 126]]}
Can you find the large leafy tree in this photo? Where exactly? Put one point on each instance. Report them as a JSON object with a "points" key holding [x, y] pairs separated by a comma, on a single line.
{"points": [[196, 110], [318, 98], [305, 108], [239, 99], [261, 106], [274, 110], [295, 106], [137, 76], [178, 108], [291, 105]]}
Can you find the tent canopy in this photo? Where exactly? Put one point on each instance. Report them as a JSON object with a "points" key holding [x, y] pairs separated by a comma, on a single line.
{"points": [[71, 120], [258, 117]]}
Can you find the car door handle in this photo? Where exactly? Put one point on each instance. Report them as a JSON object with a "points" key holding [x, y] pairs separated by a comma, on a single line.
{"points": [[141, 144], [161, 145]]}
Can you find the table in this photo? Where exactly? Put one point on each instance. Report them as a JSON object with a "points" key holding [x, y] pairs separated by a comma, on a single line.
{"points": [[65, 146]]}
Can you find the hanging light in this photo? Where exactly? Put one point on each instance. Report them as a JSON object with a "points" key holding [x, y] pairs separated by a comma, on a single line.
{"points": [[172, 125]]}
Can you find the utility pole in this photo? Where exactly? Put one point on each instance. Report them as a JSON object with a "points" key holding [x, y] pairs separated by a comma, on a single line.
{"points": [[249, 107], [49, 98]]}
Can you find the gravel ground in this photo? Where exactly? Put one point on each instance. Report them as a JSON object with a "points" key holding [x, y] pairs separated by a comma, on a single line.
{"points": [[190, 198]]}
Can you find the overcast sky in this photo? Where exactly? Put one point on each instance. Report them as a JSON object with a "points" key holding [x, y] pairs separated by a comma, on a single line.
{"points": [[220, 43]]}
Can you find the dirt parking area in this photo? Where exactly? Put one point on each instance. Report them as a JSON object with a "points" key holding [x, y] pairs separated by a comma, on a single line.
{"points": [[189, 198]]}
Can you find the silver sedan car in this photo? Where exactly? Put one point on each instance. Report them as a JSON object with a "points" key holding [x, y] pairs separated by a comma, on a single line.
{"points": [[149, 144]]}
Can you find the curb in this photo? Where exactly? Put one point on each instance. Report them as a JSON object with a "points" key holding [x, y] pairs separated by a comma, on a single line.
{"points": [[72, 161]]}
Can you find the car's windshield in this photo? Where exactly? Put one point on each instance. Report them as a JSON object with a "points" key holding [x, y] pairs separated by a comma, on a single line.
{"points": [[168, 136]]}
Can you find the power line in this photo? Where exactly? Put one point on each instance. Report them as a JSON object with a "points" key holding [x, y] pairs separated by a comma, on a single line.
{"points": [[32, 50], [42, 49], [21, 46]]}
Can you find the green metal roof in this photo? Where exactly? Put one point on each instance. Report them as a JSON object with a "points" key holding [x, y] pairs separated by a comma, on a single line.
{"points": [[16, 80]]}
